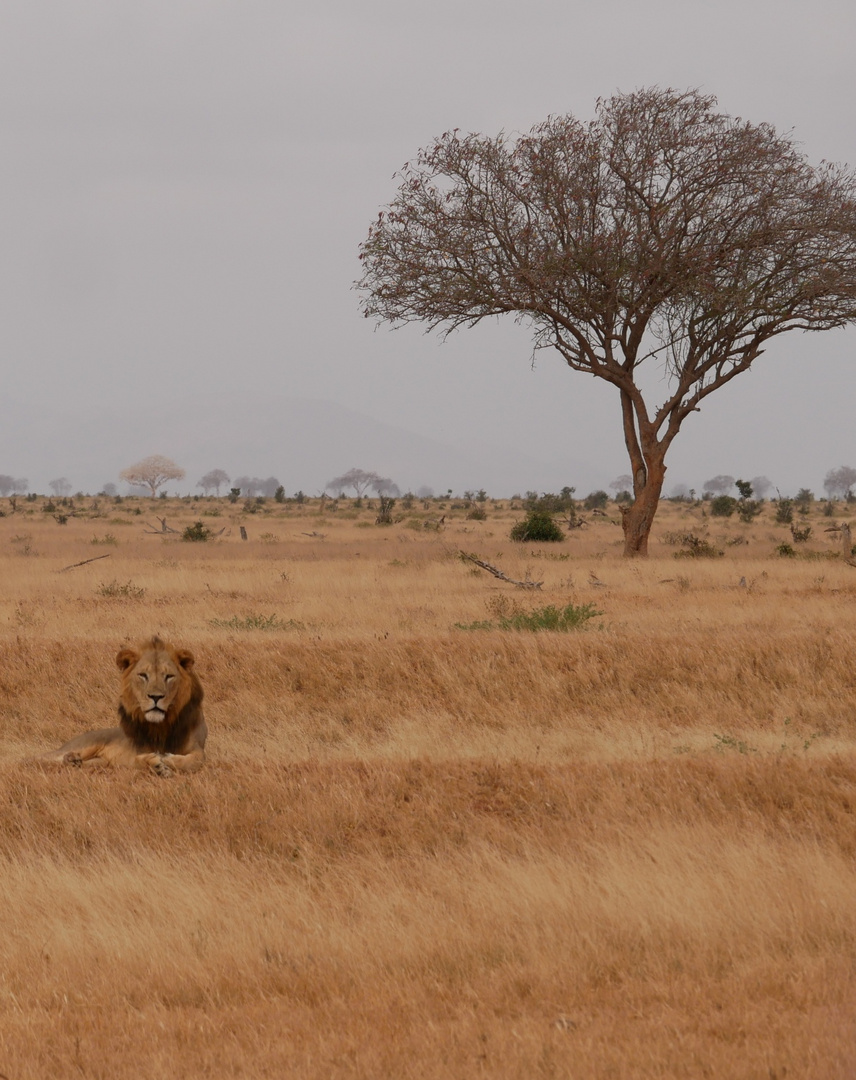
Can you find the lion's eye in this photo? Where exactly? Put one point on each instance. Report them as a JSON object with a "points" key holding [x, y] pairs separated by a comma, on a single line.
{"points": [[143, 676], [168, 678]]}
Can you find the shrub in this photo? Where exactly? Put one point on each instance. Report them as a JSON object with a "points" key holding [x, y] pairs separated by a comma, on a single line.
{"points": [[748, 510], [596, 500], [279, 494], [694, 547], [128, 591], [786, 551], [564, 619], [384, 516], [196, 532], [784, 511], [477, 513], [554, 504], [722, 506], [257, 622], [538, 525], [570, 617]]}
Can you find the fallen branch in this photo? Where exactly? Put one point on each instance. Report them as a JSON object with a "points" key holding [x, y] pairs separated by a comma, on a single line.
{"points": [[163, 529], [498, 573], [85, 561]]}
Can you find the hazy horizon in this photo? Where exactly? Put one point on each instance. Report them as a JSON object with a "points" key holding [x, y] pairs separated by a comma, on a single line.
{"points": [[185, 188]]}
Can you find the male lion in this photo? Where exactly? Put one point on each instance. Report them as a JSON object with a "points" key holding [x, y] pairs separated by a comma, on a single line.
{"points": [[160, 716]]}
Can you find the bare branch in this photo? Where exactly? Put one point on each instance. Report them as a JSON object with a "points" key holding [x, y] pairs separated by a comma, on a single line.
{"points": [[467, 557]]}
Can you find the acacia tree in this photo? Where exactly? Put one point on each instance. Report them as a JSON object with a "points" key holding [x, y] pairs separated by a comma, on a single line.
{"points": [[358, 479], [840, 481], [214, 479], [152, 472], [719, 485], [662, 232]]}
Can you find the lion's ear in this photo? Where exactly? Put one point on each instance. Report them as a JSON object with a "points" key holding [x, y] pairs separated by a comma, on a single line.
{"points": [[126, 658], [185, 658]]}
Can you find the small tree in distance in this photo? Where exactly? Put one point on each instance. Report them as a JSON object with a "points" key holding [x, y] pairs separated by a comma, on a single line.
{"points": [[60, 487], [840, 482], [761, 486], [7, 484], [622, 483], [152, 472], [384, 486], [662, 233], [213, 480], [360, 481], [719, 485]]}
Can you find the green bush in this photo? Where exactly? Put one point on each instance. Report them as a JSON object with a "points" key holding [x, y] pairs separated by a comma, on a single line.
{"points": [[257, 622], [538, 525], [570, 617], [749, 509], [693, 547], [196, 533], [722, 506], [596, 500], [784, 511]]}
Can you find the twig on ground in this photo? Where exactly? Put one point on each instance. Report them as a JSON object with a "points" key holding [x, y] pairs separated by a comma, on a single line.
{"points": [[85, 561]]}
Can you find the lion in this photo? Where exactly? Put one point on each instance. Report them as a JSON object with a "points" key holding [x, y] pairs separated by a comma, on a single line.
{"points": [[160, 716]]}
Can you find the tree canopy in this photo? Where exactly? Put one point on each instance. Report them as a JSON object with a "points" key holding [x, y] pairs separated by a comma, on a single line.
{"points": [[213, 480], [152, 472], [662, 232], [361, 480], [840, 481]]}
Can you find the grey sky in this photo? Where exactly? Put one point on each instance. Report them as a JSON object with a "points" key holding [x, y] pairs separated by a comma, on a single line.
{"points": [[184, 186]]}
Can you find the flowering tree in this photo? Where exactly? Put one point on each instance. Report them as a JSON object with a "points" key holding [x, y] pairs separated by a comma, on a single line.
{"points": [[152, 472]]}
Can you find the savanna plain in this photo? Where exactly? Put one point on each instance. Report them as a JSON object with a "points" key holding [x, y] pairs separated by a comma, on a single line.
{"points": [[434, 837]]}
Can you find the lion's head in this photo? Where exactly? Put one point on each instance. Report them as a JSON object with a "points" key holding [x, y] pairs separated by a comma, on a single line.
{"points": [[158, 682]]}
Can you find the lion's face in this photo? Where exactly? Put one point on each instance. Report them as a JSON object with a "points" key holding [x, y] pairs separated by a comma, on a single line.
{"points": [[157, 680]]}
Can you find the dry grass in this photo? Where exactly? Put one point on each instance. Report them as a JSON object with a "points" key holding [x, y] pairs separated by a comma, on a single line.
{"points": [[420, 851]]}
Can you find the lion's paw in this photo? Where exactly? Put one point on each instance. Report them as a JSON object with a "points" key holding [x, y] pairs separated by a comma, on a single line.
{"points": [[73, 758], [162, 767]]}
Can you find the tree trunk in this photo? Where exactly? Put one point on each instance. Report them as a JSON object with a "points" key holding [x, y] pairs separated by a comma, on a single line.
{"points": [[638, 518]]}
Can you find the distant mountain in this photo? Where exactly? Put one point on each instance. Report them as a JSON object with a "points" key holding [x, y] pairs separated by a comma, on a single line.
{"points": [[303, 442]]}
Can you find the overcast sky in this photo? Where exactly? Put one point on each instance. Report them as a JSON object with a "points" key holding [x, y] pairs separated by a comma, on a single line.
{"points": [[184, 186]]}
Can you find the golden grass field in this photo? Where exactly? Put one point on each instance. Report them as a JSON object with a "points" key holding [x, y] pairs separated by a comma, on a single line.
{"points": [[420, 851]]}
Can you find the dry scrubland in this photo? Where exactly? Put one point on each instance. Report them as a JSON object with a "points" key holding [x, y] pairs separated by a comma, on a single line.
{"points": [[421, 851]]}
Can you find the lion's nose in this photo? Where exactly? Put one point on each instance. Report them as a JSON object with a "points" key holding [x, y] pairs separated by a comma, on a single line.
{"points": [[155, 698]]}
